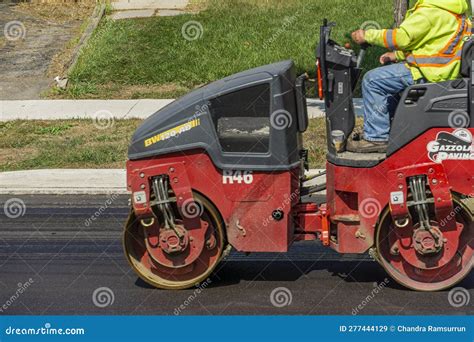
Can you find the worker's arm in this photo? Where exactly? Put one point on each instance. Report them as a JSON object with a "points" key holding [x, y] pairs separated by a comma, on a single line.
{"points": [[410, 32], [400, 55]]}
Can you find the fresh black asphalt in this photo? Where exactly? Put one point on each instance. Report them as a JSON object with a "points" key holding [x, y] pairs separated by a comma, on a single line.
{"points": [[68, 257]]}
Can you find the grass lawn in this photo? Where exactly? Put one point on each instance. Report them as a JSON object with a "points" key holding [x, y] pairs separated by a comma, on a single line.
{"points": [[63, 144], [80, 144], [150, 58]]}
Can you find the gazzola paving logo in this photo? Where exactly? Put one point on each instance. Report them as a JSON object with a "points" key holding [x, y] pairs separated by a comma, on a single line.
{"points": [[451, 146]]}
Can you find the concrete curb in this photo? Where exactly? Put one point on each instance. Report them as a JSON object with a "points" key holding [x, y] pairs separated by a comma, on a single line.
{"points": [[117, 109], [69, 182], [63, 182]]}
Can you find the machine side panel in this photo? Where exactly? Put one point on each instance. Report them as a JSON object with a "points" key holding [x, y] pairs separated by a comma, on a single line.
{"points": [[356, 197]]}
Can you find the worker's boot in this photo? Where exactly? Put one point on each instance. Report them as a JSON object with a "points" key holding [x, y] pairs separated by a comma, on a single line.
{"points": [[357, 133], [357, 143], [365, 146]]}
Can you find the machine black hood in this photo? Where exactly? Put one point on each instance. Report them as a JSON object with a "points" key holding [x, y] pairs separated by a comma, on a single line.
{"points": [[188, 122]]}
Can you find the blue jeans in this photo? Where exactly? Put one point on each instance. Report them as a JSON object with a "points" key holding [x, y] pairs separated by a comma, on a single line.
{"points": [[380, 89]]}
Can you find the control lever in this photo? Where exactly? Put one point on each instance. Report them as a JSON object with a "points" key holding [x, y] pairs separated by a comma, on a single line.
{"points": [[360, 58]]}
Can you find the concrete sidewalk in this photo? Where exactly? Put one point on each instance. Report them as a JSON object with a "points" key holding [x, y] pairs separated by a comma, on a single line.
{"points": [[78, 109], [126, 9], [73, 181], [148, 4], [118, 109]]}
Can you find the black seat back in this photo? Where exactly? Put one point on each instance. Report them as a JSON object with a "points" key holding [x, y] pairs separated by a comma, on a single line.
{"points": [[431, 105], [467, 57], [426, 106], [467, 66]]}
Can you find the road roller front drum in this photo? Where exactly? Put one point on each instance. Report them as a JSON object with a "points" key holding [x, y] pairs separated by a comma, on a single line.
{"points": [[423, 260], [174, 257]]}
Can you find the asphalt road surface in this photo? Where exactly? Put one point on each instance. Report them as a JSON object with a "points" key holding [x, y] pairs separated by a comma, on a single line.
{"points": [[54, 261]]}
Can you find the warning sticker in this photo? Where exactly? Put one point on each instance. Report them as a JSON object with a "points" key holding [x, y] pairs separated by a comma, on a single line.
{"points": [[397, 197], [139, 197]]}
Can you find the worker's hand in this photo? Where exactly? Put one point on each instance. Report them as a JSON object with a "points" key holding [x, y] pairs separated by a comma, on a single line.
{"points": [[359, 37], [389, 57]]}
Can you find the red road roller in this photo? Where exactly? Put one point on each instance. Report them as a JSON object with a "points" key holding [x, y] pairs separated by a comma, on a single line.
{"points": [[224, 167]]}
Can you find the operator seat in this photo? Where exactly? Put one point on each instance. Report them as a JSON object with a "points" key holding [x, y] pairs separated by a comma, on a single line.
{"points": [[424, 106], [431, 105], [466, 72], [466, 58]]}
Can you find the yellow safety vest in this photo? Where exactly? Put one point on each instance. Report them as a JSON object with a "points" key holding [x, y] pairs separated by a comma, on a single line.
{"points": [[430, 39]]}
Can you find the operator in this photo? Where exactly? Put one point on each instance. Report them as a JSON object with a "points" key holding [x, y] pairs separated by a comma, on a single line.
{"points": [[425, 48]]}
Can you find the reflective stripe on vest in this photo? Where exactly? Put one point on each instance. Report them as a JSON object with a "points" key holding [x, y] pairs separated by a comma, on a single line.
{"points": [[446, 56], [454, 42], [433, 60], [390, 39]]}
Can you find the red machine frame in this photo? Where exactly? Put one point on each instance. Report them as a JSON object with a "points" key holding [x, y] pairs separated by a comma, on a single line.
{"points": [[247, 208]]}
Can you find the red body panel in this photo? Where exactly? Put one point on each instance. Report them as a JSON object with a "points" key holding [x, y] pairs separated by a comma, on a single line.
{"points": [[245, 201], [361, 194], [355, 196]]}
